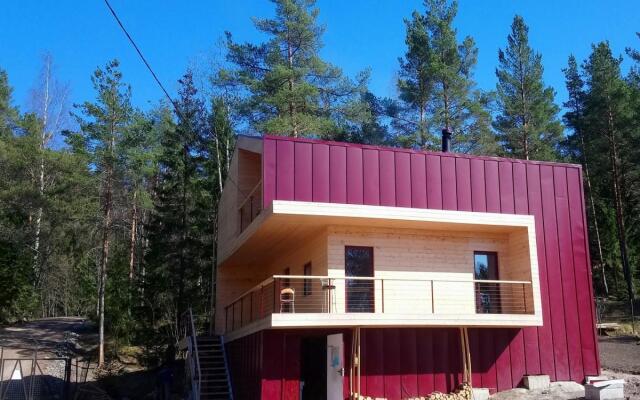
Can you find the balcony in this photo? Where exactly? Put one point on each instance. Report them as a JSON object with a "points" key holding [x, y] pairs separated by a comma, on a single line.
{"points": [[321, 301]]}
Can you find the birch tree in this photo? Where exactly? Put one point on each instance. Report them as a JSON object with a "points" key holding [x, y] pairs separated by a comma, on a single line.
{"points": [[49, 102]]}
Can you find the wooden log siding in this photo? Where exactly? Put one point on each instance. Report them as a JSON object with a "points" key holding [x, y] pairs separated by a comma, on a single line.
{"points": [[309, 170]]}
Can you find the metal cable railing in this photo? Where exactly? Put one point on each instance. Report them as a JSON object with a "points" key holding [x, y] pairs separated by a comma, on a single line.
{"points": [[330, 295]]}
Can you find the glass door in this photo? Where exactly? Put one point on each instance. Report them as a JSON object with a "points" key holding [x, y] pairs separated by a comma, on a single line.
{"points": [[487, 294], [359, 292]]}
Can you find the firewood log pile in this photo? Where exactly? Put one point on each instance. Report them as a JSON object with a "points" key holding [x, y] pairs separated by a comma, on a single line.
{"points": [[463, 393]]}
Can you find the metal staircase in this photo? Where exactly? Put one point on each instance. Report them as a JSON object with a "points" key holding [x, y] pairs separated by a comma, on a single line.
{"points": [[214, 372], [206, 364]]}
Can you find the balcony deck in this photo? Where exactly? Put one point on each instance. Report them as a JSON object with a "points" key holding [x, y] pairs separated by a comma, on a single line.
{"points": [[284, 301]]}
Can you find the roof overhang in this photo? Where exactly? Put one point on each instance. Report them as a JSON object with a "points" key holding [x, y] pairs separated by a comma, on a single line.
{"points": [[276, 226]]}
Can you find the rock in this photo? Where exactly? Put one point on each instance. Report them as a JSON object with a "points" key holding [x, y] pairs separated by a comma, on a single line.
{"points": [[536, 382], [480, 393], [567, 390], [607, 389]]}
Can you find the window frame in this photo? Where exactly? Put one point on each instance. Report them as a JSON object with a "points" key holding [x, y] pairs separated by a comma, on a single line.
{"points": [[488, 299]]}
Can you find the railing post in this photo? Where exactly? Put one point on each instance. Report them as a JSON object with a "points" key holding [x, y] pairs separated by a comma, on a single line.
{"points": [[261, 302], [241, 312], [433, 305], [226, 319], [233, 315], [276, 295], [382, 293], [250, 209], [524, 299], [251, 307]]}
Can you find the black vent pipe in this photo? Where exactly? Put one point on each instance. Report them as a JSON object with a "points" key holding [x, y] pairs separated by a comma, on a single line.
{"points": [[446, 140]]}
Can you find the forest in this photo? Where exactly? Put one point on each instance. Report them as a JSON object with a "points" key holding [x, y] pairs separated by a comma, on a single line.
{"points": [[110, 212]]}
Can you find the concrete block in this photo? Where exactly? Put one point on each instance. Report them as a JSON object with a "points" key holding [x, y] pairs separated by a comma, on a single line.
{"points": [[536, 382], [605, 390], [591, 378], [480, 393]]}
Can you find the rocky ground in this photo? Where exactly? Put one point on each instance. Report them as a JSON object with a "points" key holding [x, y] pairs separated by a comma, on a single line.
{"points": [[76, 337], [620, 359], [48, 338]]}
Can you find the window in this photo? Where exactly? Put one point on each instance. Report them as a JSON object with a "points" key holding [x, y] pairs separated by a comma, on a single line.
{"points": [[286, 282], [486, 265], [306, 287], [487, 294], [359, 292]]}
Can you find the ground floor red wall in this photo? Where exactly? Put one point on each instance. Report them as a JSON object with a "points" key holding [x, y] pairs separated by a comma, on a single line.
{"points": [[398, 363]]}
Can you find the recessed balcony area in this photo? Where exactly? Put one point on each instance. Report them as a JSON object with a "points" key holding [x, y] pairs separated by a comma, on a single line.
{"points": [[355, 265]]}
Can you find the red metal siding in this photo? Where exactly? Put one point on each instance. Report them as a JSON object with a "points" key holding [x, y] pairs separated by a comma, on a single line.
{"points": [[303, 162], [244, 357], [552, 193], [371, 181]]}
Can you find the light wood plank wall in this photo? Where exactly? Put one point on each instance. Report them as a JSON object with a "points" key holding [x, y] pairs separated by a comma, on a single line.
{"points": [[420, 255], [408, 255], [233, 281]]}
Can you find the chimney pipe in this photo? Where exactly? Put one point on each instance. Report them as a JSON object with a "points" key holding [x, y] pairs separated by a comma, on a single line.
{"points": [[446, 140]]}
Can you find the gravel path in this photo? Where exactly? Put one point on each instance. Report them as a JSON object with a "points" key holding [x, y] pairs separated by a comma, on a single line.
{"points": [[51, 338]]}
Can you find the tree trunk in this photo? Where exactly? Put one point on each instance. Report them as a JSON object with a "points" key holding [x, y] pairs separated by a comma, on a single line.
{"points": [[106, 233], [183, 222], [41, 147], [617, 186], [133, 236], [292, 110], [593, 208], [218, 161]]}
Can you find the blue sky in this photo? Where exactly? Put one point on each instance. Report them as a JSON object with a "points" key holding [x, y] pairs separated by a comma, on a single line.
{"points": [[360, 34]]}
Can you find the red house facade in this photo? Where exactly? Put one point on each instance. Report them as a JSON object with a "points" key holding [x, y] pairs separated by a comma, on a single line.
{"points": [[343, 269]]}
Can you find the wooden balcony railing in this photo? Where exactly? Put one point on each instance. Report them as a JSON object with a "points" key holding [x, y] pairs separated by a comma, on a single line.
{"points": [[282, 294], [250, 206]]}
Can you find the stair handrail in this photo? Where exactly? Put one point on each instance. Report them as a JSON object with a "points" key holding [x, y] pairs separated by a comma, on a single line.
{"points": [[226, 367], [194, 342]]}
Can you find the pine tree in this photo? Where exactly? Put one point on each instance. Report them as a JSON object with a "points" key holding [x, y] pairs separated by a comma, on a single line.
{"points": [[528, 125], [374, 131], [607, 123], [574, 119], [180, 232], [286, 87], [102, 132], [436, 84], [415, 85], [8, 113]]}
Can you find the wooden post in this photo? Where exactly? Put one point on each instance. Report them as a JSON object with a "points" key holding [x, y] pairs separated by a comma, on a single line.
{"points": [[251, 306], [261, 312], [250, 209]]}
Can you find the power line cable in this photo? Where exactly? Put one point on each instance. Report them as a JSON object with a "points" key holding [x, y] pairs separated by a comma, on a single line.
{"points": [[144, 60]]}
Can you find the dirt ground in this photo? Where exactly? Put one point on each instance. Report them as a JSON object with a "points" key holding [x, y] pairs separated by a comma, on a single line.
{"points": [[620, 353], [57, 337], [620, 359], [51, 337]]}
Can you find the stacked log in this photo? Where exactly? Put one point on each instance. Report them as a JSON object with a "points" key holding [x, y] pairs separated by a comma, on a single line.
{"points": [[462, 393]]}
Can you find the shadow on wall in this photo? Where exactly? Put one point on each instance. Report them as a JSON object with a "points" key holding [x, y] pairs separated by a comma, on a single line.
{"points": [[396, 362]]}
